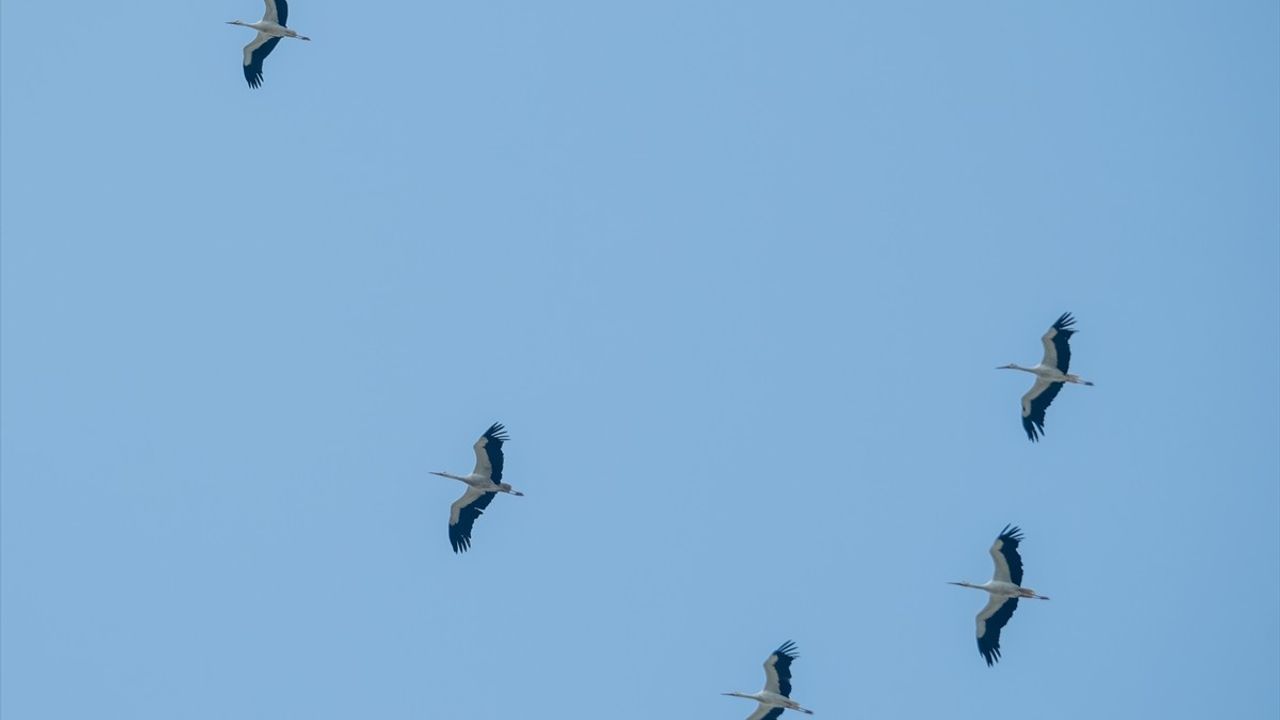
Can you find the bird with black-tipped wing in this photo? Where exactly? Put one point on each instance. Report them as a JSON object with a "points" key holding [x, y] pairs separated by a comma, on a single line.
{"points": [[1051, 374], [483, 485], [1005, 588], [270, 29], [776, 695]]}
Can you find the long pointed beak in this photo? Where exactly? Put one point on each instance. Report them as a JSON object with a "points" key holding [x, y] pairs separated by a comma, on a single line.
{"points": [[433, 472]]}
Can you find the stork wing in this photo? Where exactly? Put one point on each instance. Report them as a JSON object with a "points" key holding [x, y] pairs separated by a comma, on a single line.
{"points": [[254, 53], [489, 452], [277, 12], [1034, 403], [463, 514], [992, 618], [1005, 553], [765, 712], [777, 669], [1057, 353]]}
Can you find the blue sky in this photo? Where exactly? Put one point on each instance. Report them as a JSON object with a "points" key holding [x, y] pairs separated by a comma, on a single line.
{"points": [[735, 275]]}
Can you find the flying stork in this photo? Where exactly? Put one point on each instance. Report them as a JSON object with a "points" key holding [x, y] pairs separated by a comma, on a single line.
{"points": [[776, 695], [1005, 589], [484, 483], [270, 29], [1050, 374]]}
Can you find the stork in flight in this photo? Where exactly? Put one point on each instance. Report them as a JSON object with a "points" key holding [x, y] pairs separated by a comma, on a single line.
{"points": [[484, 483], [270, 29], [1005, 589], [776, 695], [1050, 374]]}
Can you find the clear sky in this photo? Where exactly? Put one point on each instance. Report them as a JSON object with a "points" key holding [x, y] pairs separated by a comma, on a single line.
{"points": [[735, 275]]}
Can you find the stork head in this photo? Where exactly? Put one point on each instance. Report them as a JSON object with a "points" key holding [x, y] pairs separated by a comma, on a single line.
{"points": [[1010, 366], [236, 22], [739, 694]]}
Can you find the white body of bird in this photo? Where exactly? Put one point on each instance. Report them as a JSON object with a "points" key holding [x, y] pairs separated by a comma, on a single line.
{"points": [[480, 482], [1048, 374], [1003, 589], [269, 28], [769, 700]]}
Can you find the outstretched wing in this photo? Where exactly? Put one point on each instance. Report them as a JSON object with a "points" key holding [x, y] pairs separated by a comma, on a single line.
{"points": [[990, 621], [254, 53], [489, 452], [1034, 403], [463, 514], [777, 669], [1004, 551], [277, 12], [1057, 351]]}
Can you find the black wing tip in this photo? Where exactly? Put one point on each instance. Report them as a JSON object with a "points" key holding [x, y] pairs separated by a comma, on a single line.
{"points": [[497, 432], [254, 79], [1011, 533], [990, 649], [460, 541], [1064, 322], [459, 538], [1034, 429], [787, 650], [991, 655]]}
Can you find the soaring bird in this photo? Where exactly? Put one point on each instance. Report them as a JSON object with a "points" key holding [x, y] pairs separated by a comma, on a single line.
{"points": [[1050, 374], [1005, 588], [484, 483], [270, 29], [776, 695]]}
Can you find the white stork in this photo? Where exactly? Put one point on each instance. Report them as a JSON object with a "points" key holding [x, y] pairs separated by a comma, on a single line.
{"points": [[270, 29], [1050, 374], [776, 695], [484, 483], [1005, 589]]}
